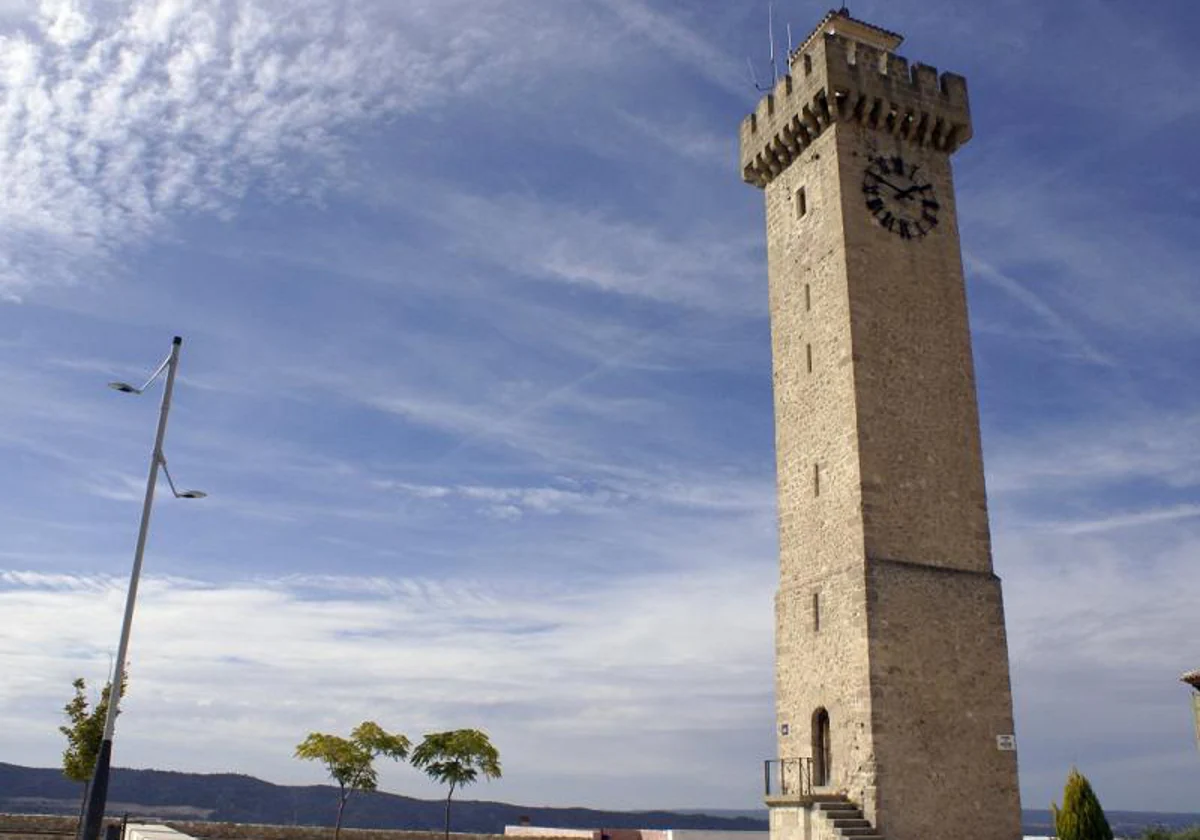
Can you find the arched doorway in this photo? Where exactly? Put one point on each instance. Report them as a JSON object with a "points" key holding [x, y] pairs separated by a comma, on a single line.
{"points": [[822, 749]]}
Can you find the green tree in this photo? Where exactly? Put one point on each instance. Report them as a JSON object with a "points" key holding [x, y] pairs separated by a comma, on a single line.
{"points": [[1159, 832], [456, 758], [351, 761], [84, 732], [1081, 817]]}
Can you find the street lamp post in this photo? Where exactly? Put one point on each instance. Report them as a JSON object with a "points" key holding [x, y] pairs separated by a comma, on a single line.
{"points": [[1192, 678], [97, 799]]}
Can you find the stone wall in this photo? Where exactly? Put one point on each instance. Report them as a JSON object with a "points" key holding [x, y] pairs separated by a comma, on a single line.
{"points": [[821, 630], [941, 698], [918, 421], [37, 827]]}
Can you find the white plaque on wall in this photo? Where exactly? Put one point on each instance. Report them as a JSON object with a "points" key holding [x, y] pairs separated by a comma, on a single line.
{"points": [[1008, 743]]}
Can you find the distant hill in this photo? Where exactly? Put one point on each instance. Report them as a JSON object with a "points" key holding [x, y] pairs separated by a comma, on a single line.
{"points": [[229, 797], [1124, 823]]}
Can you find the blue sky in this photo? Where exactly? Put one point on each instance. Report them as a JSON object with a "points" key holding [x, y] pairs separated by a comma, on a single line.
{"points": [[476, 372]]}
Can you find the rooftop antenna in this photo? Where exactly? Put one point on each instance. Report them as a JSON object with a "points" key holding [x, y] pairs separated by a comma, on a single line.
{"points": [[771, 38], [770, 53]]}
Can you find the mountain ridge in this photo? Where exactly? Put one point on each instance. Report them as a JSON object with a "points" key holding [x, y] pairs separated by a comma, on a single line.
{"points": [[241, 798], [236, 797]]}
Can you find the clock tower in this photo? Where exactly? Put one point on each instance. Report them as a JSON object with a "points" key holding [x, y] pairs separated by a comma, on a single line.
{"points": [[894, 711]]}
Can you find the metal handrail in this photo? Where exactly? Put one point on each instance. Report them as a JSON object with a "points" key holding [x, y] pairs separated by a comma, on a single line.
{"points": [[788, 776]]}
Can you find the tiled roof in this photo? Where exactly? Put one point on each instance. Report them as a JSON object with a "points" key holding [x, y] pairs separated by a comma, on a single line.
{"points": [[845, 13]]}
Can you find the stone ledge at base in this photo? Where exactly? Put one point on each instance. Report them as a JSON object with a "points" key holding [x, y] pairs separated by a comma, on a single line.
{"points": [[801, 798], [43, 827], [153, 831]]}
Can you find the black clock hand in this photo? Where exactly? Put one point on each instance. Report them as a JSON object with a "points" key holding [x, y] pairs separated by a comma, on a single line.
{"points": [[908, 192], [883, 180]]}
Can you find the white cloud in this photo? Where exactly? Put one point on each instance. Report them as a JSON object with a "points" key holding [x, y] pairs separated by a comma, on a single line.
{"points": [[1059, 329], [1135, 519], [116, 119], [549, 240], [615, 488], [516, 501], [1097, 273], [1116, 446], [686, 137], [109, 125], [1101, 624], [681, 42], [548, 669]]}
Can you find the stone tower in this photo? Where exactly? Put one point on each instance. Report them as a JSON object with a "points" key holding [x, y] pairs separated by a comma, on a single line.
{"points": [[892, 687]]}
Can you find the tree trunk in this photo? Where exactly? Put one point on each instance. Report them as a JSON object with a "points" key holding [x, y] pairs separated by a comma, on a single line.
{"points": [[448, 795], [82, 804], [337, 826]]}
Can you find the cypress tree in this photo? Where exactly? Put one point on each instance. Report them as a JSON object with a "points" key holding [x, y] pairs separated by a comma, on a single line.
{"points": [[1081, 817]]}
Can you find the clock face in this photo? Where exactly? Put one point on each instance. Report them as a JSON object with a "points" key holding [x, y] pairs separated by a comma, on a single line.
{"points": [[899, 197]]}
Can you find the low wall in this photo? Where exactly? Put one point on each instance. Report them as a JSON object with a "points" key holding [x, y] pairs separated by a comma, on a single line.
{"points": [[35, 825], [40, 827]]}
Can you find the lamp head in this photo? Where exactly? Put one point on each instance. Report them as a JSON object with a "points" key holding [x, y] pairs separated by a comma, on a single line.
{"points": [[178, 494], [124, 388]]}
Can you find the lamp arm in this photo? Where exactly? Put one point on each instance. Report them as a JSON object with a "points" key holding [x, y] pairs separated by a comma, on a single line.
{"points": [[158, 371], [162, 462]]}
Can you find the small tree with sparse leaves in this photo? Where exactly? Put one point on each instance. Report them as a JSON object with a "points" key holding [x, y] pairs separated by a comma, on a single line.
{"points": [[1081, 817], [84, 732], [456, 758], [351, 761]]}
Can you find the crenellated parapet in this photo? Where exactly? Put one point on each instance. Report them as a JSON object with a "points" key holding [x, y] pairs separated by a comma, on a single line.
{"points": [[837, 78]]}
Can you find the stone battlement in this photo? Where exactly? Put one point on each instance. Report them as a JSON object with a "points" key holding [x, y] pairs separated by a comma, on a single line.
{"points": [[836, 78]]}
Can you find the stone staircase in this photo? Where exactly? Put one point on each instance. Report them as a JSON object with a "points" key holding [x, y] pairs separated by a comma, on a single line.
{"points": [[843, 819]]}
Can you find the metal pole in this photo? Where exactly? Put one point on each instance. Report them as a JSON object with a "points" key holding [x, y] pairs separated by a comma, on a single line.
{"points": [[93, 815], [1196, 714], [1192, 678]]}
